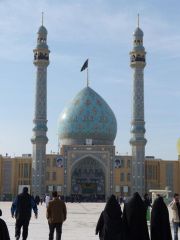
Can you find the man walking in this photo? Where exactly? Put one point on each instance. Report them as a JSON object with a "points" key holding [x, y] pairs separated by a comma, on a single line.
{"points": [[175, 206], [21, 209], [56, 215]]}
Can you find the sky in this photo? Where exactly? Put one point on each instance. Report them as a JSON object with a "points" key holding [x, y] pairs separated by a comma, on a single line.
{"points": [[102, 31]]}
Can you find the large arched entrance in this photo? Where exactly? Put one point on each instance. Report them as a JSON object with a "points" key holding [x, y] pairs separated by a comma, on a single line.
{"points": [[88, 180]]}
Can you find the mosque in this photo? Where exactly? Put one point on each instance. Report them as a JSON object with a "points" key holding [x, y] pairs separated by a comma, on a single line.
{"points": [[87, 130], [87, 164]]}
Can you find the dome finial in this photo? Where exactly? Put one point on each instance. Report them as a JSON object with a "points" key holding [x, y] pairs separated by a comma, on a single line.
{"points": [[138, 20], [42, 18]]}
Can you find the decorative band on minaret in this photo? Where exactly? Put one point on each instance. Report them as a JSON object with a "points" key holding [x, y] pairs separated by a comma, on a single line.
{"points": [[39, 139], [138, 141]]}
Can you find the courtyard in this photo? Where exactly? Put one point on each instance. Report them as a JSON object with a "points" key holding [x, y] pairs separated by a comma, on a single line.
{"points": [[80, 224]]}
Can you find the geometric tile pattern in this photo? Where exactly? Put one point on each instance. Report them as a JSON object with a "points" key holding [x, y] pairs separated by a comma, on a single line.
{"points": [[39, 139], [88, 116], [138, 140]]}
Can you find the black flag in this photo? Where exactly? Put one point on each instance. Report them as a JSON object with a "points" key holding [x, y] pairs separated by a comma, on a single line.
{"points": [[85, 65]]}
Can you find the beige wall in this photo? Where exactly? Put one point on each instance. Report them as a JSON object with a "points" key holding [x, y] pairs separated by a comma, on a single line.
{"points": [[155, 172], [54, 174], [21, 173], [122, 176], [152, 174]]}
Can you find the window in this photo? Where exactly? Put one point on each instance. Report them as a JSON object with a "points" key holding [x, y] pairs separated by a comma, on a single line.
{"points": [[122, 177], [128, 177], [54, 176], [122, 163], [128, 163], [54, 162], [47, 162], [25, 172], [169, 175], [47, 176], [149, 172]]}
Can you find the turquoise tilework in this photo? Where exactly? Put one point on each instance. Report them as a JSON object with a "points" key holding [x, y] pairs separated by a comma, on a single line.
{"points": [[87, 116]]}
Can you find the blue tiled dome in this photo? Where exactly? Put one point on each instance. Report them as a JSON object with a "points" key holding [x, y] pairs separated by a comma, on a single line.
{"points": [[88, 116]]}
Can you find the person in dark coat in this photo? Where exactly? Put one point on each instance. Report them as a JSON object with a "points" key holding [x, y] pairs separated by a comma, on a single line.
{"points": [[147, 202], [109, 225], [134, 219], [4, 233], [160, 225], [56, 215], [37, 199], [21, 209]]}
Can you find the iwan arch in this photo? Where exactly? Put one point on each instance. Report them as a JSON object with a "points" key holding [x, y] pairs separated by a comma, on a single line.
{"points": [[89, 174]]}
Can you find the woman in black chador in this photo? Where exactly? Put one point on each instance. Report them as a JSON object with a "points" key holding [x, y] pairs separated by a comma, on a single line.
{"points": [[160, 226], [134, 219], [4, 233], [109, 225]]}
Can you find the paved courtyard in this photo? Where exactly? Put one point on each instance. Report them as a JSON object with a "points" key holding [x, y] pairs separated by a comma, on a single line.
{"points": [[80, 223]]}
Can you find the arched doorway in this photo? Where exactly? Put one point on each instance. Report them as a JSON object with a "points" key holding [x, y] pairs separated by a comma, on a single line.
{"points": [[88, 180]]}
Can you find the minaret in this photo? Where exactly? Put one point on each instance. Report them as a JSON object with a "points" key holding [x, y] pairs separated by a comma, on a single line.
{"points": [[138, 141], [39, 139]]}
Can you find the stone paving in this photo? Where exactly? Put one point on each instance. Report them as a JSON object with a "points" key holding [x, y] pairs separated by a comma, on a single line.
{"points": [[80, 224]]}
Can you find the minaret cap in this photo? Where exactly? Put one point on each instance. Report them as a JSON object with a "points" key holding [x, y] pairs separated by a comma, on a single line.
{"points": [[138, 32], [42, 30]]}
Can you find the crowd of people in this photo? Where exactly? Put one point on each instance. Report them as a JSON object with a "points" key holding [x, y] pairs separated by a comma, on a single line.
{"points": [[22, 208], [131, 223], [113, 224]]}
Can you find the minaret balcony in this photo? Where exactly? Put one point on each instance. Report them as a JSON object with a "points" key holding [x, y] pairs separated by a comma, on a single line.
{"points": [[137, 64], [137, 129], [41, 62], [41, 56], [39, 139], [134, 141], [40, 127]]}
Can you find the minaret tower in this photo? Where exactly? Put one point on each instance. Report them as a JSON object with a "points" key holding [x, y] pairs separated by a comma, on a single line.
{"points": [[39, 139], [138, 141]]}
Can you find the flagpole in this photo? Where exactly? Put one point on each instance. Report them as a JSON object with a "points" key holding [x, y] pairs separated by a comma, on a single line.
{"points": [[87, 78], [85, 66]]}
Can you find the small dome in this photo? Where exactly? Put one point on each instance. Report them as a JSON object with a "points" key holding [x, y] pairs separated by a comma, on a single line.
{"points": [[138, 32], [88, 116], [42, 30]]}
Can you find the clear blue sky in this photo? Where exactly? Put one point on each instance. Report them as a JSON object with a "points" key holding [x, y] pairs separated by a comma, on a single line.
{"points": [[100, 30]]}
